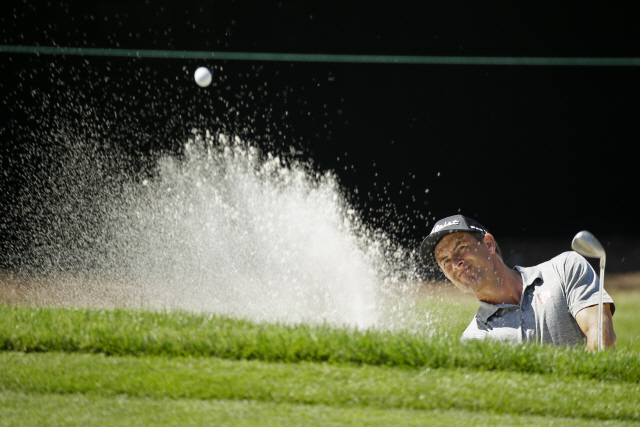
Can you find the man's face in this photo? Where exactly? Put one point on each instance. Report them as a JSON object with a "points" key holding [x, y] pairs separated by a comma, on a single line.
{"points": [[465, 261]]}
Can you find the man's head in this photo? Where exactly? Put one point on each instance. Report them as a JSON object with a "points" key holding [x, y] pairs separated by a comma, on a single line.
{"points": [[471, 264], [463, 249], [448, 225]]}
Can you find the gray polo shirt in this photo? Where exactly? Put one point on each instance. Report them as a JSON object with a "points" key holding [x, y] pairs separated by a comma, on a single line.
{"points": [[553, 293]]}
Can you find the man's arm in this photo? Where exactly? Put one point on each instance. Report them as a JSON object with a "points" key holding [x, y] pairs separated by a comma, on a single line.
{"points": [[587, 319]]}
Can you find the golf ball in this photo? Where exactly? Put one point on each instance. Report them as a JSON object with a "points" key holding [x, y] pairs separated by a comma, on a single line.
{"points": [[202, 76]]}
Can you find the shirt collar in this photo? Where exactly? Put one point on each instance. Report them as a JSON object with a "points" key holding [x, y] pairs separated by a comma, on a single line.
{"points": [[529, 275], [487, 310]]}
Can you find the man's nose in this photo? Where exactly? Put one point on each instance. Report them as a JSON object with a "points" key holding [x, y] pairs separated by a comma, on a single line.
{"points": [[457, 262]]}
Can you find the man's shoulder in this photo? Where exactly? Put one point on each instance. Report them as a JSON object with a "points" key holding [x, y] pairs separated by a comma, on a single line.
{"points": [[568, 257], [558, 269], [568, 264], [560, 263]]}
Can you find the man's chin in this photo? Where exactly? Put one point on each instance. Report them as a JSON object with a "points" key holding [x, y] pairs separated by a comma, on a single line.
{"points": [[470, 286], [462, 286]]}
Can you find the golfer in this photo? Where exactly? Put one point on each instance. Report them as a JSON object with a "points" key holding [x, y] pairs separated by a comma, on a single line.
{"points": [[554, 302]]}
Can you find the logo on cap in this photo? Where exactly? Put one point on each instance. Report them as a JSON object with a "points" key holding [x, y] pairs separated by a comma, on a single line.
{"points": [[439, 227]]}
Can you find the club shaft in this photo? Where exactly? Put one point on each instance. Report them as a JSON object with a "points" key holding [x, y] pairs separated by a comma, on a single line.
{"points": [[600, 309]]}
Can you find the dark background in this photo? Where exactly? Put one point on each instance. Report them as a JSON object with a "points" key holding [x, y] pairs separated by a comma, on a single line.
{"points": [[534, 153]]}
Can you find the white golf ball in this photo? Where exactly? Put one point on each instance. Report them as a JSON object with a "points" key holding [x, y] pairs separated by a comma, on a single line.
{"points": [[202, 76]]}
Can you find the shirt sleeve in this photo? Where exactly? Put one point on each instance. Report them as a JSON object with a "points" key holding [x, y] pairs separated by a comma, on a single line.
{"points": [[581, 284]]}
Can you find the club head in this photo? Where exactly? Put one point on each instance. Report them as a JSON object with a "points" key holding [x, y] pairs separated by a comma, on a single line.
{"points": [[587, 245]]}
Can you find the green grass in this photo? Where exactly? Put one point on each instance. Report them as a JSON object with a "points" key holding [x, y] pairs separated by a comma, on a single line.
{"points": [[69, 410], [120, 332], [318, 383], [150, 368], [626, 319]]}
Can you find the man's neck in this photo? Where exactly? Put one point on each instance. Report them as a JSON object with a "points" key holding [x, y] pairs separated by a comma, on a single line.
{"points": [[506, 289]]}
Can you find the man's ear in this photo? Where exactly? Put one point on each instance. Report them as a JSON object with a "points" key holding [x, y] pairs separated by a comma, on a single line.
{"points": [[490, 242]]}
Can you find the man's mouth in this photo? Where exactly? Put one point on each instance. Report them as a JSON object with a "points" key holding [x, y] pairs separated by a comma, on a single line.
{"points": [[465, 271]]}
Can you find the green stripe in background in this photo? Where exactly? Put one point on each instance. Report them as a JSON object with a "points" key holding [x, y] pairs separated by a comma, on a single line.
{"points": [[304, 57]]}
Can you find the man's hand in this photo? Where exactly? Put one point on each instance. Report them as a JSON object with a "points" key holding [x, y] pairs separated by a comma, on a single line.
{"points": [[587, 319]]}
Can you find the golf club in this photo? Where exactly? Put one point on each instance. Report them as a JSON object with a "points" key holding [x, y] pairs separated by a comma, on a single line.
{"points": [[587, 245]]}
